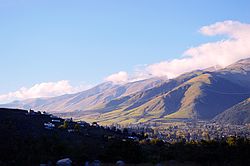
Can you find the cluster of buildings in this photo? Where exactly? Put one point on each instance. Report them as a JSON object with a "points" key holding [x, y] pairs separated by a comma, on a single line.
{"points": [[55, 122], [168, 132], [190, 131], [200, 131]]}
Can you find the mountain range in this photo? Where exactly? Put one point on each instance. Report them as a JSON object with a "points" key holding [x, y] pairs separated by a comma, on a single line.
{"points": [[201, 94]]}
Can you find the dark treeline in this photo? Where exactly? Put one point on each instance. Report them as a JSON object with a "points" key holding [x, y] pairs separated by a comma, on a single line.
{"points": [[32, 151], [23, 141]]}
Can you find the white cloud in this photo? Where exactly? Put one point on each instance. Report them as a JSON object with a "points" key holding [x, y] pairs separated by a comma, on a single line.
{"points": [[118, 78], [233, 29], [47, 89], [235, 46], [221, 53]]}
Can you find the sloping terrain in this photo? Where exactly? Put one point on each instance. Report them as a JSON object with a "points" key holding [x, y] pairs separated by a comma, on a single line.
{"points": [[202, 97], [85, 100], [201, 94], [239, 114]]}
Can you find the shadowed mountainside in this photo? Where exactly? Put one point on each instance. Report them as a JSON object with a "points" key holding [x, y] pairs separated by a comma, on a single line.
{"points": [[201, 94], [238, 114], [198, 94]]}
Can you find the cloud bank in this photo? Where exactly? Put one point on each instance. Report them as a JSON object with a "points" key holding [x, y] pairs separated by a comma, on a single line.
{"points": [[235, 46], [47, 89]]}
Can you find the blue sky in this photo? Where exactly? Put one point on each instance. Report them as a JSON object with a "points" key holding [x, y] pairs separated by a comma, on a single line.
{"points": [[86, 41]]}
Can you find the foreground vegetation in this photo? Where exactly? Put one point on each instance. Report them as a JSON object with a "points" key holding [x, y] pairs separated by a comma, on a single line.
{"points": [[25, 141]]}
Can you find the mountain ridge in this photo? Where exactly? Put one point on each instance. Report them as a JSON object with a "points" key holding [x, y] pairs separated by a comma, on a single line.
{"points": [[200, 94], [86, 99]]}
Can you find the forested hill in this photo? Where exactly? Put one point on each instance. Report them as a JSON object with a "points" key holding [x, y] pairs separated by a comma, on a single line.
{"points": [[30, 138]]}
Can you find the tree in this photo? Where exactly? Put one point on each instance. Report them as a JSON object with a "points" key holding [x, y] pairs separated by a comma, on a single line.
{"points": [[231, 141], [77, 127], [65, 124]]}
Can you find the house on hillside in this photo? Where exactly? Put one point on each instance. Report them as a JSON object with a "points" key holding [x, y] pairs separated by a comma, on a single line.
{"points": [[95, 124], [45, 113], [49, 125], [33, 113], [83, 123], [54, 117], [56, 120]]}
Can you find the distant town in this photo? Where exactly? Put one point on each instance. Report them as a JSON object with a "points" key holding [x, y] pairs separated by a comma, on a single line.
{"points": [[57, 140], [190, 131], [171, 132]]}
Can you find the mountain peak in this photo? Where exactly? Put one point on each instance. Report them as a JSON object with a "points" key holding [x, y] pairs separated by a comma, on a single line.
{"points": [[242, 65], [199, 94], [244, 61]]}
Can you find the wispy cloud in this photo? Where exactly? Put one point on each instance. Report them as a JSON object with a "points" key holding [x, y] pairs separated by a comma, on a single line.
{"points": [[120, 77], [46, 89], [235, 46]]}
